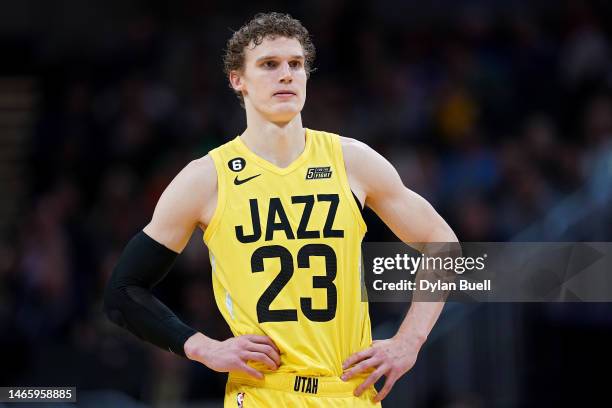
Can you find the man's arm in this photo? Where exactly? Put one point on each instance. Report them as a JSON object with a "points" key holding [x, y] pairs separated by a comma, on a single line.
{"points": [[415, 222], [149, 256], [189, 201]]}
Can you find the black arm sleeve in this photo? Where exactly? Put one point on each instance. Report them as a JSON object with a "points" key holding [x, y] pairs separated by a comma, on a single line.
{"points": [[129, 302]]}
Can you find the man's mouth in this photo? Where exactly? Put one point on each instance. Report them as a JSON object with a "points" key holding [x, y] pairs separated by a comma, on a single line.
{"points": [[284, 93]]}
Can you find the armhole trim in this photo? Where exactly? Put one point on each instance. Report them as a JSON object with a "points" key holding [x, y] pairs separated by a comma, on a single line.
{"points": [[341, 168], [214, 221], [358, 203]]}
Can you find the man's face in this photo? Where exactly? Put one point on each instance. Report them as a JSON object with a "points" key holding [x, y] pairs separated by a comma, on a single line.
{"points": [[273, 80]]}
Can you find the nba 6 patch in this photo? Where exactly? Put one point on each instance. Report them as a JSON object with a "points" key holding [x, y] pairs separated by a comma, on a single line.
{"points": [[236, 164]]}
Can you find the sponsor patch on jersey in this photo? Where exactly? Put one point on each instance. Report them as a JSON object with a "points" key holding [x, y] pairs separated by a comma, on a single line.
{"points": [[315, 173], [240, 399]]}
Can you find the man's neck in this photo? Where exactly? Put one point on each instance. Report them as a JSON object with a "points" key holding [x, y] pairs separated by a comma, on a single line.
{"points": [[280, 144]]}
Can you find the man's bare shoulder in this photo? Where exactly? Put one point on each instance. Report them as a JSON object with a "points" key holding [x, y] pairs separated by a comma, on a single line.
{"points": [[356, 154], [189, 200], [200, 174], [193, 188], [354, 150], [368, 169], [204, 163], [352, 145]]}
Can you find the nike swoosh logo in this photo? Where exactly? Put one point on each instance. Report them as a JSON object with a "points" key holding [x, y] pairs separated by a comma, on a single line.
{"points": [[239, 182]]}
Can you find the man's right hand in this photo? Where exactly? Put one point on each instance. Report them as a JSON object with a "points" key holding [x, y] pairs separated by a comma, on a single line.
{"points": [[234, 353]]}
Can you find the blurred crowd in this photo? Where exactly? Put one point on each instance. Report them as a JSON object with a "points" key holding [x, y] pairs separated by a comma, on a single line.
{"points": [[498, 116]]}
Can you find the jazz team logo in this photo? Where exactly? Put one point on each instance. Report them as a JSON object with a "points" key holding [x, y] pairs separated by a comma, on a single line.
{"points": [[240, 399], [314, 173]]}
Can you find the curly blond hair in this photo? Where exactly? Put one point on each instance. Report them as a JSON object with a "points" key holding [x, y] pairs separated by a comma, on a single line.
{"points": [[266, 25]]}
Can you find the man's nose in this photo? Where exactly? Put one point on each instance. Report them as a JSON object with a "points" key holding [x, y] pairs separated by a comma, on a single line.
{"points": [[286, 75]]}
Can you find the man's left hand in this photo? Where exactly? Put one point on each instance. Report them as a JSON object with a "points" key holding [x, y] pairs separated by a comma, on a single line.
{"points": [[392, 358]]}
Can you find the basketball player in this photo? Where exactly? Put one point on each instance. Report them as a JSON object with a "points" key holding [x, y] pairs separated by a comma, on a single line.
{"points": [[280, 207]]}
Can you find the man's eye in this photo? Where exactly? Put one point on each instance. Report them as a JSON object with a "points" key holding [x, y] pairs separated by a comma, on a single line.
{"points": [[269, 64], [295, 64]]}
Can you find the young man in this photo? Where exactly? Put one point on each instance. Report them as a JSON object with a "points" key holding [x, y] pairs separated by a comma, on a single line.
{"points": [[280, 207]]}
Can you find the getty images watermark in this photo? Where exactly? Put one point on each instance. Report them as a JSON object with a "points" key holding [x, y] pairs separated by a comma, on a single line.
{"points": [[412, 264], [487, 272]]}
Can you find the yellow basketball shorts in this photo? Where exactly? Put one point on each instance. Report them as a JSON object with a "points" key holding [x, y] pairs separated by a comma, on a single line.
{"points": [[292, 390]]}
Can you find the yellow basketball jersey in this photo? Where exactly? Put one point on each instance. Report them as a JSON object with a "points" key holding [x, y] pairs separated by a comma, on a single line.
{"points": [[285, 250]]}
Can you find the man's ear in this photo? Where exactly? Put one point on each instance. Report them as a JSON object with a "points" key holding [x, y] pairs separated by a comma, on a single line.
{"points": [[236, 81]]}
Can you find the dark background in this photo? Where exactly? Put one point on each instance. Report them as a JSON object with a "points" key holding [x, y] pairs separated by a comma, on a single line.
{"points": [[499, 113]]}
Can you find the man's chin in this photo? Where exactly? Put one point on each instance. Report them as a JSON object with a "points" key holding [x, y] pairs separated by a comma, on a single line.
{"points": [[283, 115]]}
